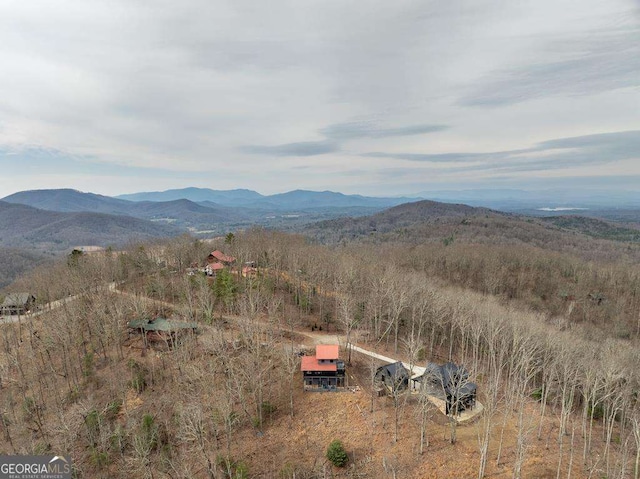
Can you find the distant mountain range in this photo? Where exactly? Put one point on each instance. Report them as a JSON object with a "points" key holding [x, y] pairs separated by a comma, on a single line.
{"points": [[64, 217], [224, 197], [211, 211], [292, 200], [68, 200], [500, 199]]}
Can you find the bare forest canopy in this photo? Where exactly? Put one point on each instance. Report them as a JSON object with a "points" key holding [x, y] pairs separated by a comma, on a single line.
{"points": [[560, 389], [596, 228]]}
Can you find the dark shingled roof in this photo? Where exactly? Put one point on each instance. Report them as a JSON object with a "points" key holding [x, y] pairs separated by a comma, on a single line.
{"points": [[160, 324], [450, 377], [396, 372]]}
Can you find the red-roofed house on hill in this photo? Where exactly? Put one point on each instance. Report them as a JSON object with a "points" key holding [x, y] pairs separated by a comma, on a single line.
{"points": [[217, 261], [218, 256], [324, 371]]}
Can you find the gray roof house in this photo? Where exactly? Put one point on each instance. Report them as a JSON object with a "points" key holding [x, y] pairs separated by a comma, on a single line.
{"points": [[449, 382], [394, 376], [17, 303]]}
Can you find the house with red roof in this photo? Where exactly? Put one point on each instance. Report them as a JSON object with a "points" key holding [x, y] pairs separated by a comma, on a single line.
{"points": [[217, 261], [218, 256], [324, 371]]}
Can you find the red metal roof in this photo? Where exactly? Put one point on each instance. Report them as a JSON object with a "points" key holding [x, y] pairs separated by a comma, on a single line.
{"points": [[216, 266], [219, 255], [310, 363], [327, 351]]}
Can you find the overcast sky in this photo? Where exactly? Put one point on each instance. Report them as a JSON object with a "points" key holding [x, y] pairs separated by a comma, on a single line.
{"points": [[371, 97]]}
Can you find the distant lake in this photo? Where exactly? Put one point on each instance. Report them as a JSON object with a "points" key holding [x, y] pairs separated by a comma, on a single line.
{"points": [[562, 208]]}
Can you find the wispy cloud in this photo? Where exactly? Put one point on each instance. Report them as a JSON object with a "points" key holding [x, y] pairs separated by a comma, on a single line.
{"points": [[337, 134], [623, 142], [370, 129], [436, 157], [561, 153], [602, 61], [303, 148], [32, 160]]}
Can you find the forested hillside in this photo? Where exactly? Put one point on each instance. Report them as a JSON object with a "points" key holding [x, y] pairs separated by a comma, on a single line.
{"points": [[67, 200], [559, 392], [23, 226], [596, 228], [429, 221], [14, 262]]}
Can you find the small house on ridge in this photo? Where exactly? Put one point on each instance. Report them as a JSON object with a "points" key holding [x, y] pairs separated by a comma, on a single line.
{"points": [[17, 303]]}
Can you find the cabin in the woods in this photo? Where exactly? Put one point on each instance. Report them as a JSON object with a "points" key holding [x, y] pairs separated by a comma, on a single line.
{"points": [[393, 377], [450, 383], [217, 261], [18, 303], [324, 371], [218, 256], [161, 331]]}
